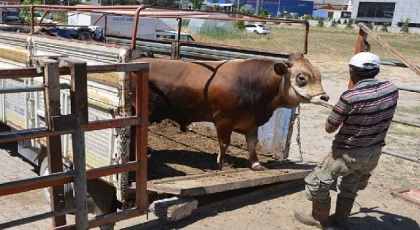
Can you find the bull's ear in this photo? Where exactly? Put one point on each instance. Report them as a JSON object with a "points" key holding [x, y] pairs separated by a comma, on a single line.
{"points": [[281, 68]]}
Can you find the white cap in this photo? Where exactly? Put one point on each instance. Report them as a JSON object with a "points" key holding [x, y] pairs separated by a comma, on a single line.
{"points": [[365, 60]]}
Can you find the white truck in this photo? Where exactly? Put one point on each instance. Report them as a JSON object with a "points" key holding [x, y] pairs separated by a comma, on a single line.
{"points": [[122, 27]]}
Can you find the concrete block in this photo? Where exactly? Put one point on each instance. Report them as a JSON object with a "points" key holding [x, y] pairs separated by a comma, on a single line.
{"points": [[175, 208]]}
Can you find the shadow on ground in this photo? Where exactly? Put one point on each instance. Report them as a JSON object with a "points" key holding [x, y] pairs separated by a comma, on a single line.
{"points": [[385, 220], [12, 149], [156, 224]]}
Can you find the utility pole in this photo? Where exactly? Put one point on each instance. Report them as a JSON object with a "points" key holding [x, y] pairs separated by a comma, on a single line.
{"points": [[257, 8], [237, 7], [278, 10]]}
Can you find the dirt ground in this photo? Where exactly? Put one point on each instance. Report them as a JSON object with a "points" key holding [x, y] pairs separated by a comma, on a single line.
{"points": [[173, 153]]}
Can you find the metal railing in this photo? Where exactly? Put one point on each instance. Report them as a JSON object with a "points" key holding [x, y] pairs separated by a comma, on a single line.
{"points": [[138, 12], [77, 124]]}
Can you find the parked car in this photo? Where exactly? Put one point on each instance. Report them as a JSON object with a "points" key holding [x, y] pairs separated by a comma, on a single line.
{"points": [[258, 29], [11, 15]]}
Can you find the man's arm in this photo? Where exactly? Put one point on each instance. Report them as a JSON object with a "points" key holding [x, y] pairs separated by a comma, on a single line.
{"points": [[338, 114]]}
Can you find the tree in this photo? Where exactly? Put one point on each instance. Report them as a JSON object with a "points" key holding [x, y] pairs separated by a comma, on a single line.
{"points": [[240, 25], [405, 26], [333, 23], [339, 21], [30, 2], [247, 9], [320, 23], [263, 13], [349, 24], [385, 27], [164, 3], [196, 4]]}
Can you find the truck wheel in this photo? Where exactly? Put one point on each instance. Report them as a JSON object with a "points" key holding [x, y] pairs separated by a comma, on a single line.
{"points": [[68, 188]]}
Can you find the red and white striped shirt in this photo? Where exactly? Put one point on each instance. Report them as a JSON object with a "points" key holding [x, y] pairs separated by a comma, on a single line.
{"points": [[366, 112]]}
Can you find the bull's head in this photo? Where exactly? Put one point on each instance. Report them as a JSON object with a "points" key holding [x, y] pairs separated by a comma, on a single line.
{"points": [[302, 82]]}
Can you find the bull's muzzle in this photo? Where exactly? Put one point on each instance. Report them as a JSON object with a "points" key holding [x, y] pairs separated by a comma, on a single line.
{"points": [[322, 100], [325, 97]]}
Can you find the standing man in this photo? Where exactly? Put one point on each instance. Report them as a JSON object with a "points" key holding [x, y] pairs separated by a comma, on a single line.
{"points": [[365, 113]]}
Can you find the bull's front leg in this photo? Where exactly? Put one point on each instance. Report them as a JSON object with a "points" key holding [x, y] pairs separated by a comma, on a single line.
{"points": [[252, 141], [224, 129]]}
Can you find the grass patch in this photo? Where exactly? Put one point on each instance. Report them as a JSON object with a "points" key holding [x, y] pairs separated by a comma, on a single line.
{"points": [[325, 43], [399, 129], [411, 109]]}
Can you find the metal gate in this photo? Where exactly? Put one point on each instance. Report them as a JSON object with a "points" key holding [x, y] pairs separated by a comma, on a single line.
{"points": [[76, 123]]}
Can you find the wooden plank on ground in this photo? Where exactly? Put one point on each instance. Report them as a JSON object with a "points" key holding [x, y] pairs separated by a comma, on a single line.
{"points": [[410, 195], [208, 183]]}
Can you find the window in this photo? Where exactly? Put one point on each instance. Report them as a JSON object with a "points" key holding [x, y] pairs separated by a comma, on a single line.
{"points": [[187, 38], [376, 10]]}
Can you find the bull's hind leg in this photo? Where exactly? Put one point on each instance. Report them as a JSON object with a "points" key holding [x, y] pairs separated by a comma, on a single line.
{"points": [[252, 141], [224, 131]]}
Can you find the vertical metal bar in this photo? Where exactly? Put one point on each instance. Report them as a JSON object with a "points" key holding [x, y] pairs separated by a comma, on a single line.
{"points": [[178, 47], [174, 48], [106, 24], [306, 37], [32, 20], [135, 25], [79, 106], [359, 43], [142, 88], [2, 103], [52, 105], [359, 48]]}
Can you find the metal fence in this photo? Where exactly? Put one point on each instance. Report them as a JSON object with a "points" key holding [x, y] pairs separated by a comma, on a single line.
{"points": [[77, 124]]}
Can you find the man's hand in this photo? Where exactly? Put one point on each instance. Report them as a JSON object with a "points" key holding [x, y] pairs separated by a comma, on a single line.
{"points": [[329, 128]]}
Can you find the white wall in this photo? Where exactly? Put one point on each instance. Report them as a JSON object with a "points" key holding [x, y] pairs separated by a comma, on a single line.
{"points": [[403, 9]]}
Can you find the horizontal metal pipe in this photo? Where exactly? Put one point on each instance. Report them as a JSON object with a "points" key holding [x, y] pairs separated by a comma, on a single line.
{"points": [[396, 64], [56, 179], [413, 159], [406, 123], [29, 89], [156, 12], [25, 185], [113, 123], [112, 169], [409, 89], [32, 72], [330, 106], [25, 134], [42, 216]]}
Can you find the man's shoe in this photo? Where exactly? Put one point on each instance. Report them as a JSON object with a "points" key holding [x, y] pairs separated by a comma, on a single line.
{"points": [[339, 220], [318, 217]]}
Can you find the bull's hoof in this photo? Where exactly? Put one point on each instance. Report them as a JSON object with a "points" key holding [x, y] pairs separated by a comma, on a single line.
{"points": [[258, 167]]}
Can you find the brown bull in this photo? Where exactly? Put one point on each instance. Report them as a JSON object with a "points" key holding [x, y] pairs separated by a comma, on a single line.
{"points": [[236, 95]]}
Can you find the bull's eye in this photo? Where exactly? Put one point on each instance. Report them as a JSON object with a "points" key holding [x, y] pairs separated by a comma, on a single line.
{"points": [[301, 80]]}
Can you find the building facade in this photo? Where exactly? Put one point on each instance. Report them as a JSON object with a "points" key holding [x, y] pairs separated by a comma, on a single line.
{"points": [[394, 12], [275, 7]]}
